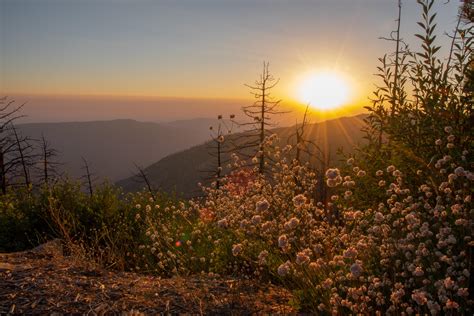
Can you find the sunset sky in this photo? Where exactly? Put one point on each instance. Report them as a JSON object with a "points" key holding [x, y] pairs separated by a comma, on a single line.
{"points": [[196, 49]]}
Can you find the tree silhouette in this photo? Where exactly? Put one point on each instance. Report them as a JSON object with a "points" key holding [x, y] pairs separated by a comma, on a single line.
{"points": [[48, 162], [25, 154], [9, 161], [143, 177], [218, 149], [253, 142], [88, 177]]}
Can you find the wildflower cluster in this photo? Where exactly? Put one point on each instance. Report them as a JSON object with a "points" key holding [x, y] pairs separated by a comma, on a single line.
{"points": [[407, 252]]}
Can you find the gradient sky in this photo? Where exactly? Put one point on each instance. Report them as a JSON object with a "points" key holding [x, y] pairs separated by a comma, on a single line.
{"points": [[195, 48]]}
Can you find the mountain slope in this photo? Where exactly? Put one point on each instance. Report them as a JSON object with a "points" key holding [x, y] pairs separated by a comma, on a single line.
{"points": [[180, 172], [111, 147]]}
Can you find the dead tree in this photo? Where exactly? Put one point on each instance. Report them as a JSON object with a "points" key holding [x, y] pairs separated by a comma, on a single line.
{"points": [[142, 176], [25, 153], [48, 162], [8, 160], [88, 177], [302, 144], [218, 149], [253, 142]]}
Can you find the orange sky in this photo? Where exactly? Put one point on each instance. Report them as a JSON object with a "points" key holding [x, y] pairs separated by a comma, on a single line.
{"points": [[192, 49]]}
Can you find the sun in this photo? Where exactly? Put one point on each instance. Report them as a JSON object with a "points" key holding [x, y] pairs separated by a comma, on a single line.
{"points": [[324, 90]]}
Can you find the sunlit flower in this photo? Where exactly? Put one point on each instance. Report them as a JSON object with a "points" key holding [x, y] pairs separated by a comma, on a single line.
{"points": [[292, 223], [256, 219], [237, 249], [419, 297], [262, 205], [284, 268], [350, 253], [222, 223], [282, 241], [299, 200], [302, 257], [332, 173]]}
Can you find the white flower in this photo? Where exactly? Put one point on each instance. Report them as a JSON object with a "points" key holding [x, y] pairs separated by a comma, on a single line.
{"points": [[361, 173], [236, 249], [419, 297], [356, 269], [418, 272], [262, 205], [299, 200], [292, 223], [448, 283], [332, 173], [302, 258], [256, 219], [459, 171], [378, 217], [282, 241], [331, 183], [327, 283], [350, 253], [222, 223], [284, 268]]}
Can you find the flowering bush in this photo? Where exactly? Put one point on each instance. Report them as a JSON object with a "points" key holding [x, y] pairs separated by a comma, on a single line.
{"points": [[395, 234], [409, 252]]}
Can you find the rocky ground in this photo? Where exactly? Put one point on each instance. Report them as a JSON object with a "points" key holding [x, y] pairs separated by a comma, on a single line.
{"points": [[43, 281]]}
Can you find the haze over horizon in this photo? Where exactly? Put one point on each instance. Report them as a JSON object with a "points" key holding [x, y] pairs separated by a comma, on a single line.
{"points": [[172, 60]]}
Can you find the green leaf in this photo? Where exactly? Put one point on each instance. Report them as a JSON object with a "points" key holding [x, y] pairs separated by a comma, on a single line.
{"points": [[420, 37]]}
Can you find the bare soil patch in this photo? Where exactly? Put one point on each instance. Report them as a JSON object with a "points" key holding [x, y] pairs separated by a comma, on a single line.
{"points": [[44, 281]]}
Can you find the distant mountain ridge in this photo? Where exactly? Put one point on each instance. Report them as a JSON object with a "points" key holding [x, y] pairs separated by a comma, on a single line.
{"points": [[181, 172], [112, 147]]}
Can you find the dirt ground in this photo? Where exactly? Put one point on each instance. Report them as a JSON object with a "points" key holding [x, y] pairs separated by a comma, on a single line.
{"points": [[43, 281]]}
